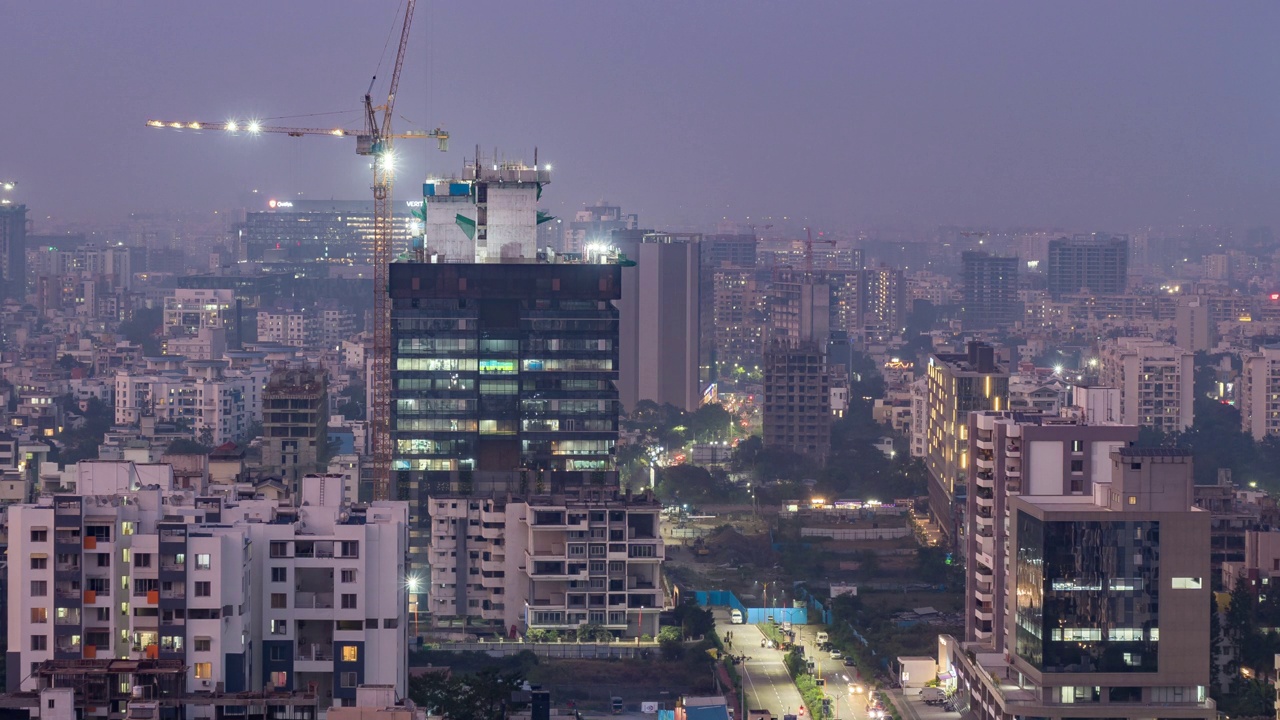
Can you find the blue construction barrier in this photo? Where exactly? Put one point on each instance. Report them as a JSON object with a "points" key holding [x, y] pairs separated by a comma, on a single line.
{"points": [[725, 598]]}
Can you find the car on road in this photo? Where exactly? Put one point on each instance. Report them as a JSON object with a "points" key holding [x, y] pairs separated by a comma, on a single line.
{"points": [[849, 662], [836, 654], [735, 616]]}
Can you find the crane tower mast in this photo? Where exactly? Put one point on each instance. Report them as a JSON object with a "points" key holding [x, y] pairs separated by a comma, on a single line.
{"points": [[376, 140]]}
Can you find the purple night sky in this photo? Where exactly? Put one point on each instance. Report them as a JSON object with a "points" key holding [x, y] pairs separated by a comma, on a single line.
{"points": [[1087, 114]]}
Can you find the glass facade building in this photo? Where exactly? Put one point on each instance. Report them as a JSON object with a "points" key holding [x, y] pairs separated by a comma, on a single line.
{"points": [[503, 377], [1088, 595]]}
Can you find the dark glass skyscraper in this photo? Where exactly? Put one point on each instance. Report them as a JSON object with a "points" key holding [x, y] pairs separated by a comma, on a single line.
{"points": [[503, 377]]}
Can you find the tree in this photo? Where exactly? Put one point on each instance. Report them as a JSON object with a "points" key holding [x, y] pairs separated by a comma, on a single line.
{"points": [[694, 620], [671, 643], [185, 446], [352, 406], [142, 329], [710, 422], [479, 696]]}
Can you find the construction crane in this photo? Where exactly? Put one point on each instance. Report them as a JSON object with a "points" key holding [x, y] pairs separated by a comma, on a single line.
{"points": [[377, 141]]}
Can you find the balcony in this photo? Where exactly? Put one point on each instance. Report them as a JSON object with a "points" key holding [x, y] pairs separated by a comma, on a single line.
{"points": [[984, 440], [636, 583], [987, 503], [985, 480], [983, 613], [315, 653], [1013, 449], [546, 553], [1013, 470], [984, 463], [313, 601]]}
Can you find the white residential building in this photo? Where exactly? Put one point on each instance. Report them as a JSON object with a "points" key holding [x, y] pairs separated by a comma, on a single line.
{"points": [[549, 563], [224, 594], [299, 327], [1155, 380], [1259, 392], [212, 394], [187, 310]]}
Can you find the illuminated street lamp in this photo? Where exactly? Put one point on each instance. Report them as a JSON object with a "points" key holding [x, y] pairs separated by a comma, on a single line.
{"points": [[413, 583]]}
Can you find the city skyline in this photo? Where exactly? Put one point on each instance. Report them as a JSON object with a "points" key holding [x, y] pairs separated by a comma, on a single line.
{"points": [[1087, 115]]}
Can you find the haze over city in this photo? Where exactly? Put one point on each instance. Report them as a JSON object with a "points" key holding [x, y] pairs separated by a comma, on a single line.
{"points": [[639, 360], [1084, 114]]}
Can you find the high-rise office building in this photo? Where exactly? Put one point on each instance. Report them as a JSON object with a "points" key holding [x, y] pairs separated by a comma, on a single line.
{"points": [[1097, 264], [1156, 382], [1107, 595], [956, 385], [323, 231], [990, 295], [502, 378], [13, 250], [1029, 455], [659, 319]]}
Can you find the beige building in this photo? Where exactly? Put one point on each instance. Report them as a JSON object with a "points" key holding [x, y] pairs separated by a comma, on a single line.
{"points": [[1259, 393], [1107, 595], [956, 385], [501, 564], [1156, 382]]}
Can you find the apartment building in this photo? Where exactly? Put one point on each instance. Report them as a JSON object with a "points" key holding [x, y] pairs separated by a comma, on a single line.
{"points": [[956, 385], [206, 393], [1156, 382], [295, 422], [551, 562], [220, 594], [1259, 392], [1106, 595], [298, 327]]}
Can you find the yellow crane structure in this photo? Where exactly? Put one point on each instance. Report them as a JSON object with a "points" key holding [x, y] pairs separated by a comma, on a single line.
{"points": [[375, 140]]}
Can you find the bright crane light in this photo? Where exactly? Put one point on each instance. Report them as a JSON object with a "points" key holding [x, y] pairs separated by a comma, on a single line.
{"points": [[231, 126], [254, 128], [388, 160]]}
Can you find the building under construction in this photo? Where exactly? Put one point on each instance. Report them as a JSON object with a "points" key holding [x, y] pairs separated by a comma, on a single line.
{"points": [[295, 422]]}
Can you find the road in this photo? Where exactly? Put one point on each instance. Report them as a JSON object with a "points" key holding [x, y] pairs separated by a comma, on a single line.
{"points": [[764, 675]]}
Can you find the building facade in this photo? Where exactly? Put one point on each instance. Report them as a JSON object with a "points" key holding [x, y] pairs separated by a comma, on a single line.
{"points": [[1096, 264], [237, 595], [1027, 455], [502, 372], [1106, 595], [1259, 393], [956, 385], [1156, 382], [545, 562], [990, 289], [659, 321]]}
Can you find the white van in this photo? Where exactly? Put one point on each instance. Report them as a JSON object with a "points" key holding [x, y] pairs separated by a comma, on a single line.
{"points": [[823, 636], [735, 616]]}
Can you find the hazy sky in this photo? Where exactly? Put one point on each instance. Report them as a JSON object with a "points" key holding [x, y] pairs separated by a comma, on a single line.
{"points": [[1096, 114]]}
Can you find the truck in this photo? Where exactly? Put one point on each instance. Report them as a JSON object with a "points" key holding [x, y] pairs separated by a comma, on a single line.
{"points": [[823, 636], [735, 616], [933, 696], [615, 703], [759, 714]]}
